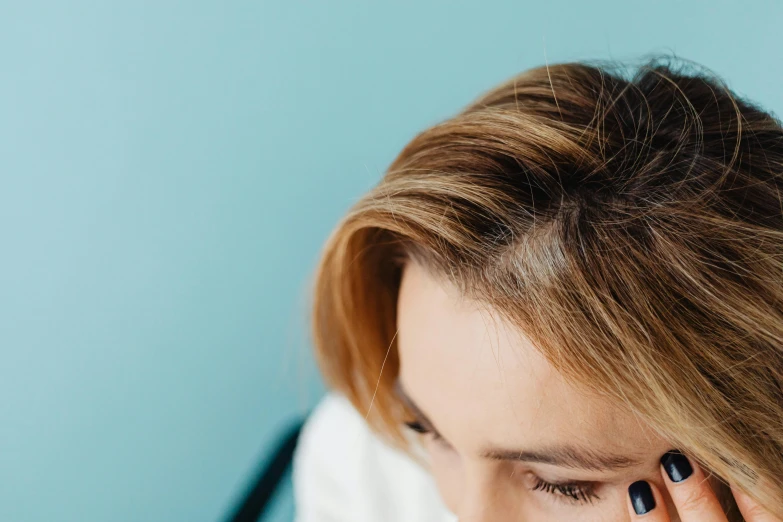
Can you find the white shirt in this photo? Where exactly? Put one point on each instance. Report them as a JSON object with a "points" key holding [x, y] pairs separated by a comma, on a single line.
{"points": [[342, 472]]}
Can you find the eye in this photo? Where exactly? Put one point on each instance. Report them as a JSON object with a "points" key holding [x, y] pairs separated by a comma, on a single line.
{"points": [[418, 427], [581, 493]]}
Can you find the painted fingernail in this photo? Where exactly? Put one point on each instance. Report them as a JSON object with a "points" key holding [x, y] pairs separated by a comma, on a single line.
{"points": [[642, 497], [676, 465]]}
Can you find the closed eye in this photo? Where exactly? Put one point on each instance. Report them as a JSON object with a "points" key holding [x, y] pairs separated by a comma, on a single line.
{"points": [[582, 493], [572, 492], [419, 427]]}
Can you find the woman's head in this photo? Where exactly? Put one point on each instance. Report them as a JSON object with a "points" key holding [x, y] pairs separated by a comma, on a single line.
{"points": [[576, 259]]}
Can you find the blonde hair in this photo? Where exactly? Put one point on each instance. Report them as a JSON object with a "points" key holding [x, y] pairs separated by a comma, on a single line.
{"points": [[632, 227]]}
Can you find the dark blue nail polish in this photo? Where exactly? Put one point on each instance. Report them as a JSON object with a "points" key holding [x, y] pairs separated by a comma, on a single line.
{"points": [[642, 497], [676, 465]]}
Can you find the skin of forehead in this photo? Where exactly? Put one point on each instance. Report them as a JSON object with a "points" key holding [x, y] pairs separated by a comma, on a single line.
{"points": [[482, 383]]}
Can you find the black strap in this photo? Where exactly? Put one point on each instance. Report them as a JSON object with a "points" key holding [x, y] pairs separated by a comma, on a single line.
{"points": [[256, 500]]}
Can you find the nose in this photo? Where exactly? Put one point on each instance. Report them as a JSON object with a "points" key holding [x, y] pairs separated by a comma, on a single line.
{"points": [[484, 511], [485, 501]]}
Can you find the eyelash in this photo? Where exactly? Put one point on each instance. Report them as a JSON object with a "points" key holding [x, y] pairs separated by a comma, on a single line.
{"points": [[418, 427], [570, 491]]}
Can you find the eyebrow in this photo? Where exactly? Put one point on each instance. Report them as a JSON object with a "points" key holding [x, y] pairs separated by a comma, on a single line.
{"points": [[564, 455]]}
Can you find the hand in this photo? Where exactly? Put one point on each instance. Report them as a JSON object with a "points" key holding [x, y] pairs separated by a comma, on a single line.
{"points": [[692, 495]]}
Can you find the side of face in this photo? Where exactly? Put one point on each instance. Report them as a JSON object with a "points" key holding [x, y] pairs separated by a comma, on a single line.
{"points": [[509, 431]]}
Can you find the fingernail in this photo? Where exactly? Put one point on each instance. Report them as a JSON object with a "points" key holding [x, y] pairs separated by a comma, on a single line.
{"points": [[676, 465], [642, 497]]}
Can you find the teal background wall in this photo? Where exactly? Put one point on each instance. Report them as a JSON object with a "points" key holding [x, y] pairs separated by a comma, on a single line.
{"points": [[168, 173]]}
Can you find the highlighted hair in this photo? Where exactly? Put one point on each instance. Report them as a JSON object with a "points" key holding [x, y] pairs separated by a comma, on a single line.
{"points": [[632, 227]]}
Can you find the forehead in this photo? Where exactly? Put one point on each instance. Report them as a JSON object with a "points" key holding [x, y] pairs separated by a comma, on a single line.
{"points": [[482, 382]]}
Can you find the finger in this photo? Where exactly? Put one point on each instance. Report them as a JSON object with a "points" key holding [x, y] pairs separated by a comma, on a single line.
{"points": [[751, 510], [690, 491], [646, 503]]}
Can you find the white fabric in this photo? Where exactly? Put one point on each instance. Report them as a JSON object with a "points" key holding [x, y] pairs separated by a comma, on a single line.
{"points": [[342, 472]]}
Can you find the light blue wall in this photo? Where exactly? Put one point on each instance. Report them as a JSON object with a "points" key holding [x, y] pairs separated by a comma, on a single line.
{"points": [[168, 173]]}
